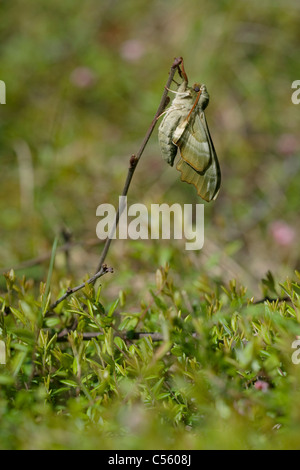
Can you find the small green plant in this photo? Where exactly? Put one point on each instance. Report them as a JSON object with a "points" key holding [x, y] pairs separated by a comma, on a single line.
{"points": [[196, 367]]}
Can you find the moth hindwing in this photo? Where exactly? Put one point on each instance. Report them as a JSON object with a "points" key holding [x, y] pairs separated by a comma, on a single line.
{"points": [[184, 126]]}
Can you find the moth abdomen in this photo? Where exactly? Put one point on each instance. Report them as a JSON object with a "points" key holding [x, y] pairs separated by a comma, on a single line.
{"points": [[165, 134], [168, 149]]}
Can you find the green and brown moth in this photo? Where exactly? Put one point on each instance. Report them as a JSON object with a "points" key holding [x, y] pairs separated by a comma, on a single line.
{"points": [[184, 126]]}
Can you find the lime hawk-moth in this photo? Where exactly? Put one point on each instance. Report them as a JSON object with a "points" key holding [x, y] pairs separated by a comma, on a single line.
{"points": [[184, 126]]}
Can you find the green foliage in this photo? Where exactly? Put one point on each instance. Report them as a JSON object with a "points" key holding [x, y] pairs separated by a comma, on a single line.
{"points": [[212, 369], [218, 374]]}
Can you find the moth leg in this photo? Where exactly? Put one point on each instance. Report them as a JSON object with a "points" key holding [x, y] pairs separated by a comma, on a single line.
{"points": [[169, 89], [164, 112], [175, 82], [184, 93]]}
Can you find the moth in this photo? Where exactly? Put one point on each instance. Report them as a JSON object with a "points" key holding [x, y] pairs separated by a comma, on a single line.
{"points": [[184, 126]]}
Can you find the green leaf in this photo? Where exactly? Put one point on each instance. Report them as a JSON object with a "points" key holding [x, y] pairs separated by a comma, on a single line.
{"points": [[71, 383], [120, 343], [269, 282], [17, 362], [6, 379], [159, 302], [296, 288], [50, 270], [109, 342], [113, 307], [177, 351], [19, 315]]}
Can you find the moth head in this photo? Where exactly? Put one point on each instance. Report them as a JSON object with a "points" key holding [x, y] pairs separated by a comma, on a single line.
{"points": [[204, 96], [197, 87]]}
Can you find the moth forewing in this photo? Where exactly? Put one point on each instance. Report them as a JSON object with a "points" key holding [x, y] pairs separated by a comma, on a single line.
{"points": [[204, 183], [193, 143], [199, 165], [184, 126], [165, 134], [175, 114]]}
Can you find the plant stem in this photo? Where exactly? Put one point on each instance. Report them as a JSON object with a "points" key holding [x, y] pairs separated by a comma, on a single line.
{"points": [[103, 270], [135, 158]]}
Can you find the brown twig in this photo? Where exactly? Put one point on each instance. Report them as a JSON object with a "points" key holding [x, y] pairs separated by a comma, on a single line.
{"points": [[130, 335], [270, 299], [135, 158], [67, 236], [103, 270]]}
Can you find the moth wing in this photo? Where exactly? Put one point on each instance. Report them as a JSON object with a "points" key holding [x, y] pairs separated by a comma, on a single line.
{"points": [[199, 164], [165, 134], [206, 184], [194, 142]]}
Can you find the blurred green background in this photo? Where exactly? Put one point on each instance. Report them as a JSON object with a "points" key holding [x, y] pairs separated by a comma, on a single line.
{"points": [[84, 80]]}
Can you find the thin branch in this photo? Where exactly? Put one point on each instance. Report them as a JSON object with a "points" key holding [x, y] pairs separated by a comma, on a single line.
{"points": [[130, 335], [141, 334], [135, 158], [270, 299], [103, 270]]}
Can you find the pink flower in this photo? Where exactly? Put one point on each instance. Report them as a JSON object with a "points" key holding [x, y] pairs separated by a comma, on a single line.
{"points": [[287, 144], [82, 77], [132, 50], [261, 385], [282, 233]]}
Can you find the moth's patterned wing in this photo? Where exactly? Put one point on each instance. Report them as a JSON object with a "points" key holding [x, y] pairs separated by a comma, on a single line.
{"points": [[214, 168], [204, 183], [192, 140], [165, 134], [199, 163], [175, 115]]}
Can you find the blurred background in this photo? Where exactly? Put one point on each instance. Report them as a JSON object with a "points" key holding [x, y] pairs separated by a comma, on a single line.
{"points": [[83, 82]]}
